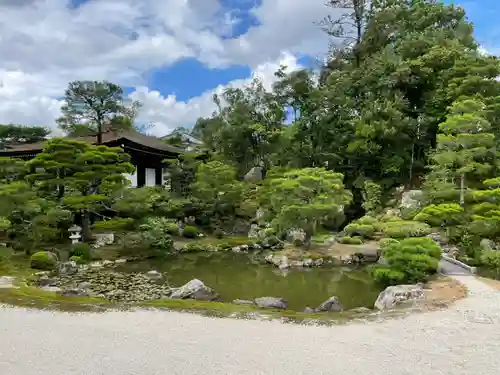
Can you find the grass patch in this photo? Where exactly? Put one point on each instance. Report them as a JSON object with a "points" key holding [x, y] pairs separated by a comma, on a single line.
{"points": [[26, 296]]}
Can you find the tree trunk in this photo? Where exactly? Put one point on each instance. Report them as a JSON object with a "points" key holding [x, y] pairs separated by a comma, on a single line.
{"points": [[462, 189], [86, 225]]}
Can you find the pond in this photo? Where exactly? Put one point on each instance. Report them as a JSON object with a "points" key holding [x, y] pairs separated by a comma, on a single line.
{"points": [[236, 276]]}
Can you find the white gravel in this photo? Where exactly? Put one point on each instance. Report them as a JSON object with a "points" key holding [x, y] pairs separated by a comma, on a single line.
{"points": [[464, 339]]}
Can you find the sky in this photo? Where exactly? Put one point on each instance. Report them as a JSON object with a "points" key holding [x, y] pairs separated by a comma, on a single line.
{"points": [[171, 55]]}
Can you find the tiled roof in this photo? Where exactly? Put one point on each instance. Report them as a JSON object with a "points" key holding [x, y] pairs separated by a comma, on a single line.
{"points": [[107, 137]]}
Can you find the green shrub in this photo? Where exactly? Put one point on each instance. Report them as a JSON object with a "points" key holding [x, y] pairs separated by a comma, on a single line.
{"points": [[408, 213], [136, 240], [347, 240], [385, 242], [43, 260], [172, 228], [115, 224], [5, 254], [190, 231], [77, 259], [441, 214], [403, 229], [387, 276], [410, 260], [195, 247], [491, 259], [366, 220], [81, 250], [363, 230]]}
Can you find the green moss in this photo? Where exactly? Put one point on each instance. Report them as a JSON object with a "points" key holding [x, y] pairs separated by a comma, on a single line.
{"points": [[347, 240], [43, 260]]}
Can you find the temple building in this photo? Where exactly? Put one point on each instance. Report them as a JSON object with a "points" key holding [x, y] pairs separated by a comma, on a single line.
{"points": [[147, 154]]}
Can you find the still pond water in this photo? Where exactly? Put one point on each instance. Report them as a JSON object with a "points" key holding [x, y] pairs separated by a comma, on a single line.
{"points": [[235, 276]]}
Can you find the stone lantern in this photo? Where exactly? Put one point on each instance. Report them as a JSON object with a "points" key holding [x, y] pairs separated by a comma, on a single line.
{"points": [[75, 235]]}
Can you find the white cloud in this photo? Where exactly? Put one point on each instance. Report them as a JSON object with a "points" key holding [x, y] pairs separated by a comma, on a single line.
{"points": [[167, 113], [44, 44]]}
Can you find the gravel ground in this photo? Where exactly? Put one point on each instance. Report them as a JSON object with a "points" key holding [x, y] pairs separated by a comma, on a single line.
{"points": [[464, 339]]}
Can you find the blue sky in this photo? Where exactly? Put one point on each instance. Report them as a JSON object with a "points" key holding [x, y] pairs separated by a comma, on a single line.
{"points": [[171, 55]]}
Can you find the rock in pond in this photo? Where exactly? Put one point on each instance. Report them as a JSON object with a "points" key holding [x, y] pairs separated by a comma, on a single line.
{"points": [[243, 302], [154, 275], [398, 294], [195, 289], [271, 303], [332, 304]]}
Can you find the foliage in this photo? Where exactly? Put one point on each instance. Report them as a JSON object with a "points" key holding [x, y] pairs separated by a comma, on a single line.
{"points": [[119, 224], [303, 198], [351, 240], [410, 260], [5, 254], [217, 188], [155, 231], [491, 259], [189, 231], [77, 259], [92, 107], [79, 175], [196, 247], [363, 230], [173, 229], [486, 212], [81, 250], [465, 147], [403, 229], [385, 242], [43, 260], [445, 214], [372, 193], [136, 241], [137, 203]]}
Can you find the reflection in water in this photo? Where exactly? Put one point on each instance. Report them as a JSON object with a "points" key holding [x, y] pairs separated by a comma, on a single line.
{"points": [[234, 276]]}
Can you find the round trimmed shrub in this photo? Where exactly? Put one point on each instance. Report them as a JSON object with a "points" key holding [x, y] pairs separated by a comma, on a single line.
{"points": [[43, 260], [81, 250], [190, 231], [347, 240], [172, 228], [77, 259]]}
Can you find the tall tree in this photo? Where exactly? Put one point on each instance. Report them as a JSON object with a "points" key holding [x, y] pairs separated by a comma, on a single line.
{"points": [[92, 106], [81, 176], [465, 147]]}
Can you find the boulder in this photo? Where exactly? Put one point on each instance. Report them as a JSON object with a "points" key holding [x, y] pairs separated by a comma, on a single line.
{"points": [[271, 303], [297, 236], [195, 289], [487, 244], [367, 256], [254, 175], [319, 262], [308, 262], [68, 268], [154, 275], [243, 302], [398, 294], [103, 239], [332, 304], [253, 233], [236, 249], [411, 199], [121, 261], [308, 310]]}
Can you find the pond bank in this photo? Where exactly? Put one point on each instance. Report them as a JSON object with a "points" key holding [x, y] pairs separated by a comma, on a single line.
{"points": [[454, 341]]}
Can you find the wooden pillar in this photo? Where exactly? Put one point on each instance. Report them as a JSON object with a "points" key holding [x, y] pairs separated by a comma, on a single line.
{"points": [[141, 176]]}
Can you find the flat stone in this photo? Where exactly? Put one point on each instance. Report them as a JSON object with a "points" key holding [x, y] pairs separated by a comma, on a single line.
{"points": [[7, 282], [271, 303]]}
